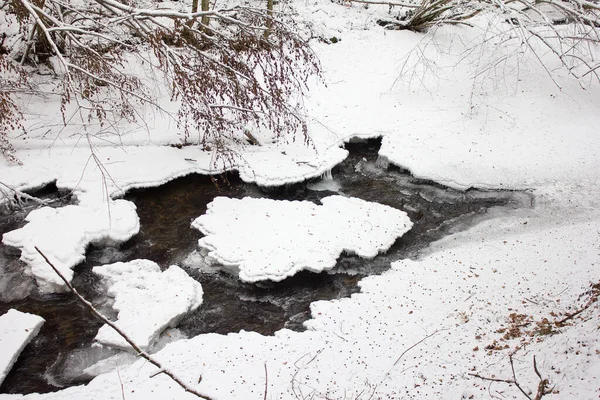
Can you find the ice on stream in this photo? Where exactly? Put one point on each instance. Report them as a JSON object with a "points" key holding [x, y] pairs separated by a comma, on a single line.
{"points": [[92, 361], [263, 239], [63, 235], [327, 183], [16, 331], [147, 300]]}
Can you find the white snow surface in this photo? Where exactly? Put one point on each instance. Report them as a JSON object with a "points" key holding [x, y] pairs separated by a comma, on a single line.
{"points": [[476, 123], [148, 300], [16, 331], [462, 294], [130, 167], [273, 239], [63, 235]]}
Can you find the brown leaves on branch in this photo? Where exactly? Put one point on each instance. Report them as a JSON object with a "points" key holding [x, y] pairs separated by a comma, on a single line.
{"points": [[220, 65], [12, 79]]}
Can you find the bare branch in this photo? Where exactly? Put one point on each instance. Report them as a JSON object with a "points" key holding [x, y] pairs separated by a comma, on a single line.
{"points": [[105, 320], [385, 3], [266, 381], [542, 389]]}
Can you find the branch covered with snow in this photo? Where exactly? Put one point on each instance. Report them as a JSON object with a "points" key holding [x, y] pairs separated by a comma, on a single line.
{"points": [[220, 65]]}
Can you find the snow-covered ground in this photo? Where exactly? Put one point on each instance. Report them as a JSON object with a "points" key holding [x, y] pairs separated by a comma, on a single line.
{"points": [[16, 331], [427, 326], [263, 239]]}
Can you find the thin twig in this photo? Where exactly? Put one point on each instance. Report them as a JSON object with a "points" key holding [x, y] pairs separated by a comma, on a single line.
{"points": [[409, 349], [592, 300], [385, 3], [18, 195], [542, 385], [139, 351], [120, 382], [512, 367], [266, 381], [416, 344]]}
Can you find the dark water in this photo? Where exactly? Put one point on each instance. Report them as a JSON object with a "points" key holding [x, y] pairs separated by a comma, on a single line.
{"points": [[229, 305]]}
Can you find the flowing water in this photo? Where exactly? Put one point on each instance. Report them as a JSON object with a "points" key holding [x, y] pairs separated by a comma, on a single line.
{"points": [[56, 357]]}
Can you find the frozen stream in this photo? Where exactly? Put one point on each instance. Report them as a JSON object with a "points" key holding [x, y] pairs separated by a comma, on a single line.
{"points": [[57, 356]]}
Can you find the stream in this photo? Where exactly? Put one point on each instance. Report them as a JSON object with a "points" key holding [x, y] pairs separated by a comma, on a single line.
{"points": [[60, 352]]}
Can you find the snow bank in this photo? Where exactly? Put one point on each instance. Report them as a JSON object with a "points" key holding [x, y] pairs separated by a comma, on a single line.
{"points": [[462, 295], [132, 167], [16, 331], [148, 300], [497, 121], [271, 240], [266, 167], [64, 233]]}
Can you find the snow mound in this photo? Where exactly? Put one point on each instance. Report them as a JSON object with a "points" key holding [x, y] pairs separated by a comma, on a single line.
{"points": [[64, 233], [267, 167], [16, 331], [263, 239], [148, 300]]}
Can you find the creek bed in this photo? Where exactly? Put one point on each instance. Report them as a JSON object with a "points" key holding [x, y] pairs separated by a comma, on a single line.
{"points": [[50, 362]]}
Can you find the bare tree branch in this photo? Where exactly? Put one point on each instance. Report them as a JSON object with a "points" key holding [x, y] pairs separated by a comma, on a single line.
{"points": [[542, 389], [140, 352]]}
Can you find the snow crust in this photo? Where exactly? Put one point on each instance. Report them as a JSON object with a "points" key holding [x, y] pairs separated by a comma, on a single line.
{"points": [[478, 123], [17, 329], [63, 235], [268, 239], [148, 300], [131, 167]]}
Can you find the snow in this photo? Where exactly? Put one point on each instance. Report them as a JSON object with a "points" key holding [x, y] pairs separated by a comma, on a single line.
{"points": [[63, 235], [148, 300], [264, 239], [460, 124], [453, 123], [17, 329], [124, 168], [355, 345]]}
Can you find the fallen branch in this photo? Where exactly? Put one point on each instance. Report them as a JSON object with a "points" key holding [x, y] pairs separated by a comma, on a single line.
{"points": [[139, 351], [298, 368], [415, 345], [16, 197], [385, 3], [542, 389], [592, 300], [266, 381], [543, 385], [404, 352]]}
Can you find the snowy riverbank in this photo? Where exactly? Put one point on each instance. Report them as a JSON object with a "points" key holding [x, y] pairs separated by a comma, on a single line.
{"points": [[426, 327]]}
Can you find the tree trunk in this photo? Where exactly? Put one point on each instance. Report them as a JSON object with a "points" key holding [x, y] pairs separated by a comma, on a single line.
{"points": [[269, 18], [205, 7]]}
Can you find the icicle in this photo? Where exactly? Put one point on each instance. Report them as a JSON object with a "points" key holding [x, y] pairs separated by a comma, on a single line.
{"points": [[382, 162]]}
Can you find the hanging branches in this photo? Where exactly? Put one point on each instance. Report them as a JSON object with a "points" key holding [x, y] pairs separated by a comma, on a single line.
{"points": [[568, 30], [220, 65]]}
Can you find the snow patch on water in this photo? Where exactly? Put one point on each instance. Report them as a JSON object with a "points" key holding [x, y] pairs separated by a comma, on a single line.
{"points": [[17, 329], [271, 240], [148, 300], [63, 234]]}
